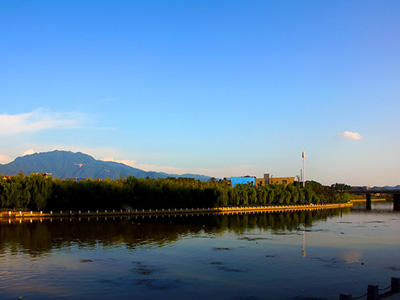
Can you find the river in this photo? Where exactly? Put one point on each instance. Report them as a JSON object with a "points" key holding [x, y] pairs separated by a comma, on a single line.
{"points": [[289, 255]]}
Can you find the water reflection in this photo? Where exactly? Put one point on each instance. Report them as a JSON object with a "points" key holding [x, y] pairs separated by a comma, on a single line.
{"points": [[37, 237], [378, 207], [290, 255]]}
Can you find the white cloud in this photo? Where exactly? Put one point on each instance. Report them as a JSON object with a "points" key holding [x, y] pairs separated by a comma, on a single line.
{"points": [[128, 162], [219, 173], [4, 159], [215, 172], [349, 135], [29, 152], [37, 120]]}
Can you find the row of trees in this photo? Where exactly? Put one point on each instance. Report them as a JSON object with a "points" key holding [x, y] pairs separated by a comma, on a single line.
{"points": [[42, 192], [22, 192]]}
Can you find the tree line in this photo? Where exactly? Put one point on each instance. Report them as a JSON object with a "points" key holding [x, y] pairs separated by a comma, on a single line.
{"points": [[42, 192]]}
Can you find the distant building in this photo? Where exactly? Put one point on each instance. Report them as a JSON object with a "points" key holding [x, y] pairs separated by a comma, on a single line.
{"points": [[243, 180], [282, 180], [261, 181], [273, 180]]}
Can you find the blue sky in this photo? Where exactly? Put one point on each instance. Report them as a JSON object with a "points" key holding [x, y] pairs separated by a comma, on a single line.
{"points": [[221, 88]]}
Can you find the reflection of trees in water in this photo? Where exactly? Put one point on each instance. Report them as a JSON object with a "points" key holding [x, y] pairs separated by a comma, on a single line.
{"points": [[40, 237], [276, 222]]}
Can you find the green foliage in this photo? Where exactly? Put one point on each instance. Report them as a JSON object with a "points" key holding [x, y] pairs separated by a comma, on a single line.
{"points": [[252, 196], [234, 197], [261, 196], [25, 192], [39, 192], [243, 194]]}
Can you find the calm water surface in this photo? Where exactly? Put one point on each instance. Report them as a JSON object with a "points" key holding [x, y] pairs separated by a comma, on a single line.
{"points": [[301, 255]]}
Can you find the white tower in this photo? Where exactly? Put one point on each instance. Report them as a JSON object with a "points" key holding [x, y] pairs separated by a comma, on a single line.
{"points": [[303, 155]]}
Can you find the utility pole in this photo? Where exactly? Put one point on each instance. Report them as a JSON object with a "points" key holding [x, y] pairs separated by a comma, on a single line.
{"points": [[301, 178], [303, 155]]}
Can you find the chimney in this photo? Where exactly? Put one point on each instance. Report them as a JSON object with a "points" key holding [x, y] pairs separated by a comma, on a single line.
{"points": [[266, 179]]}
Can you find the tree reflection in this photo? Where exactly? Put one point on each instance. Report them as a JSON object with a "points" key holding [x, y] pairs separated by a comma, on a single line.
{"points": [[39, 237]]}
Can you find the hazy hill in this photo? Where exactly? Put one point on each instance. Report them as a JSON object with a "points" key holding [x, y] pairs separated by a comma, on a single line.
{"points": [[65, 164], [397, 187]]}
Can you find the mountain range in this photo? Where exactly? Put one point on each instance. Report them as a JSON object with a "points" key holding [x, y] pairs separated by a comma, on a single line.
{"points": [[397, 187], [66, 164]]}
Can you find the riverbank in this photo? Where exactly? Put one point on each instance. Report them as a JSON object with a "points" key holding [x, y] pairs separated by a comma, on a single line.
{"points": [[170, 211]]}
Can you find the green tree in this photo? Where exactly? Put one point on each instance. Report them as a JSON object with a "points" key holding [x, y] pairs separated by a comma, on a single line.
{"points": [[252, 196]]}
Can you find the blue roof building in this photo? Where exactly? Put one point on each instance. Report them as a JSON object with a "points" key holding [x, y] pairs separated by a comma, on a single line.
{"points": [[243, 180]]}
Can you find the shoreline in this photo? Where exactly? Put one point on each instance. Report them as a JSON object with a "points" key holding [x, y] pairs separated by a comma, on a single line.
{"points": [[168, 211]]}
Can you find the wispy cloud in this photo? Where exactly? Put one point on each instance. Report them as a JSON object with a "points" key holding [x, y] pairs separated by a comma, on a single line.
{"points": [[39, 119], [216, 172], [128, 162], [29, 152], [5, 159], [349, 135]]}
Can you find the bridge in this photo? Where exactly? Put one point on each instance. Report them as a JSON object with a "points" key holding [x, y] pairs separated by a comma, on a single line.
{"points": [[368, 193]]}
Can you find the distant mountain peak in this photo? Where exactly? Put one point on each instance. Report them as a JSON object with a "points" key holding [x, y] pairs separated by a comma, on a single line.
{"points": [[67, 164]]}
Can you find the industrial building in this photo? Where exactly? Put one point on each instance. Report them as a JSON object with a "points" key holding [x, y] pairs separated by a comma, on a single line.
{"points": [[243, 180], [262, 181], [282, 180]]}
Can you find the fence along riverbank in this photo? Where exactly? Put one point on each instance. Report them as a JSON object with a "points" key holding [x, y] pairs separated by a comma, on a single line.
{"points": [[169, 211], [373, 292]]}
